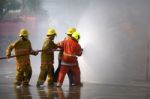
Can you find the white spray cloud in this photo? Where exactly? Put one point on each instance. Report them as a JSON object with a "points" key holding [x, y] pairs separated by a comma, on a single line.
{"points": [[114, 38]]}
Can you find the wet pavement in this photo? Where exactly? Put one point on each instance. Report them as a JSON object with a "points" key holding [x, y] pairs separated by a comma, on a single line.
{"points": [[87, 91], [134, 90]]}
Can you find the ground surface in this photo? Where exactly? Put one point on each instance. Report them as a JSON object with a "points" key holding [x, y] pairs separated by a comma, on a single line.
{"points": [[88, 91], [134, 90]]}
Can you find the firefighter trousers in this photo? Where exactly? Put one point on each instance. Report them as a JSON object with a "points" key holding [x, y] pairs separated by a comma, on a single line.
{"points": [[68, 73], [44, 73], [23, 75], [75, 74]]}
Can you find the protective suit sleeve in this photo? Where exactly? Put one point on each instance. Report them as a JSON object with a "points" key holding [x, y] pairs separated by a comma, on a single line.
{"points": [[9, 49]]}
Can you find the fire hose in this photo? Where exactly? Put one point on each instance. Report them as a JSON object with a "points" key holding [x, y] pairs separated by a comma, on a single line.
{"points": [[5, 57]]}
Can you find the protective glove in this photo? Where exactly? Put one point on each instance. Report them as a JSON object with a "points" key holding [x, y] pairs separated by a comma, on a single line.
{"points": [[8, 55], [34, 53]]}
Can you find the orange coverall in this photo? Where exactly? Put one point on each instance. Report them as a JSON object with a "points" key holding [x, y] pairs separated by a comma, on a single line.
{"points": [[72, 49]]}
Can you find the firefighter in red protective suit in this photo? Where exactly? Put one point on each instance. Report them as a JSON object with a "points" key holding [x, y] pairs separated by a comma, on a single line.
{"points": [[69, 33], [23, 49], [69, 62]]}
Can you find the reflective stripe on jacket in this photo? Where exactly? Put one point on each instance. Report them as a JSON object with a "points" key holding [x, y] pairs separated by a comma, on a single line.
{"points": [[21, 47], [47, 56], [71, 50]]}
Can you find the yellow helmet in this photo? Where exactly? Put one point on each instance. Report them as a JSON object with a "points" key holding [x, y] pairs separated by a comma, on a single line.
{"points": [[76, 35], [71, 30], [51, 31], [23, 32]]}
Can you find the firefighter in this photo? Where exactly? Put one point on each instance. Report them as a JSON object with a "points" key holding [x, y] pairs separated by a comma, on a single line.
{"points": [[47, 59], [69, 33], [69, 61], [23, 49]]}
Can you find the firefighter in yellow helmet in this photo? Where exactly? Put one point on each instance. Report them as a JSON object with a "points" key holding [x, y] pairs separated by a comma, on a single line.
{"points": [[69, 60], [23, 49], [47, 59], [69, 33], [76, 36]]}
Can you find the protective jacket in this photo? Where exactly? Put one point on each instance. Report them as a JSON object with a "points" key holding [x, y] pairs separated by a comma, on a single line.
{"points": [[21, 47], [47, 56], [71, 50]]}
